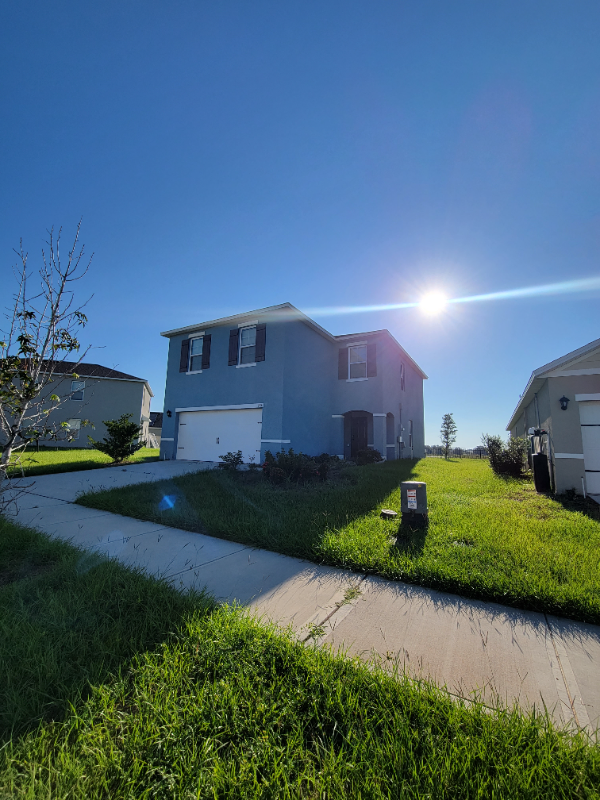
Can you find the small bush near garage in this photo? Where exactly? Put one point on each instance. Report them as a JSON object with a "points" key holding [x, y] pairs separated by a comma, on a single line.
{"points": [[506, 459], [231, 461], [368, 456], [295, 467]]}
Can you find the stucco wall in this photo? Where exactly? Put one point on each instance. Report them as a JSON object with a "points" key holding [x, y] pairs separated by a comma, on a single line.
{"points": [[104, 399], [298, 385]]}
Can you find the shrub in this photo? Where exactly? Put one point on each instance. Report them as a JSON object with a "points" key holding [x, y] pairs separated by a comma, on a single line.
{"points": [[368, 456], [506, 459], [231, 461], [121, 440]]}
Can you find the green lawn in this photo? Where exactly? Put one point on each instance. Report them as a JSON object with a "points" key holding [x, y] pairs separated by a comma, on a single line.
{"points": [[65, 459], [113, 685], [488, 538]]}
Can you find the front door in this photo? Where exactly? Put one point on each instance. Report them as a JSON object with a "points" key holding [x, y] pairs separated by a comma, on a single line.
{"points": [[358, 435]]}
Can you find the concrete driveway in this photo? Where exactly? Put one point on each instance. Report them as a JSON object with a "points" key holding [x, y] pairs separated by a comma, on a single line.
{"points": [[473, 649]]}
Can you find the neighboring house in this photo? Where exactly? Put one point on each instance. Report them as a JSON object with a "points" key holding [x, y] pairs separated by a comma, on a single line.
{"points": [[155, 428], [273, 379], [563, 398], [99, 393]]}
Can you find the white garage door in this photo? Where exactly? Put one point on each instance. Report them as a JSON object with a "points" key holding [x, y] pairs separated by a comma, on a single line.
{"points": [[207, 435], [589, 416]]}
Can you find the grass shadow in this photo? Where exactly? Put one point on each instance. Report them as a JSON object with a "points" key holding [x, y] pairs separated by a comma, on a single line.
{"points": [[576, 502], [246, 508], [69, 620], [412, 536]]}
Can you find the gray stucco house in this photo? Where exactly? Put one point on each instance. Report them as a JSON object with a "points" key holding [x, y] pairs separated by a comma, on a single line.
{"points": [[272, 379], [99, 393], [563, 398]]}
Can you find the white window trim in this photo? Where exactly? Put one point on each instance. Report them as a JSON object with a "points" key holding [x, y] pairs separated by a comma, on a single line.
{"points": [[365, 362], [583, 398], [190, 337], [167, 439], [241, 366], [197, 335], [276, 441], [252, 324], [240, 348], [569, 455], [74, 391], [74, 431]]}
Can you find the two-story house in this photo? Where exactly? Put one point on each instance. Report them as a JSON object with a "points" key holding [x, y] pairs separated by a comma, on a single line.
{"points": [[273, 379]]}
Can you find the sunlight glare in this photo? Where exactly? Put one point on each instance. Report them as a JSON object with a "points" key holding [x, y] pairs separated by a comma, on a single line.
{"points": [[433, 303]]}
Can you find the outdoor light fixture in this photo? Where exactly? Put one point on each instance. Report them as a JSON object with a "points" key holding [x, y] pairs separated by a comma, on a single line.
{"points": [[564, 402], [169, 414]]}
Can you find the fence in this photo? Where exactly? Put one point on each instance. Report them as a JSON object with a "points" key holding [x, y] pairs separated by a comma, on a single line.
{"points": [[437, 451]]}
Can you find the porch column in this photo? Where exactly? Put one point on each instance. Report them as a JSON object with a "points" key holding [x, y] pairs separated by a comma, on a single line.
{"points": [[336, 447], [380, 433]]}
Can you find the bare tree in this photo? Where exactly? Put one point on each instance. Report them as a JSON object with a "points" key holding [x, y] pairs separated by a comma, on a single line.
{"points": [[40, 333]]}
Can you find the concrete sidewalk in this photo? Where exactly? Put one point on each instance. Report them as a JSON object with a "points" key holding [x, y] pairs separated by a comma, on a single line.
{"points": [[472, 648]]}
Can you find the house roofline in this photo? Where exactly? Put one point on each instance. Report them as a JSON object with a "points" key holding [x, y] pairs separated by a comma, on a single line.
{"points": [[295, 313], [276, 311], [537, 377]]}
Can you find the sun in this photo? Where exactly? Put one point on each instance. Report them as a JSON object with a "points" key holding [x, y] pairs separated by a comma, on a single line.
{"points": [[433, 303]]}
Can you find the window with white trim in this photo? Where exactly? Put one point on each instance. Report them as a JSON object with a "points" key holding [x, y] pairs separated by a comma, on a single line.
{"points": [[73, 427], [196, 347], [77, 389], [247, 345], [357, 361]]}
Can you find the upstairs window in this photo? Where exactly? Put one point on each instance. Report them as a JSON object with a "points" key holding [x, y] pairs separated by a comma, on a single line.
{"points": [[357, 361], [248, 345], [77, 389], [196, 354]]}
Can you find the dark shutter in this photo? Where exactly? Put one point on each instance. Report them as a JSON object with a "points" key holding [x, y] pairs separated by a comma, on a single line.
{"points": [[343, 363], [185, 355], [372, 360], [261, 340], [233, 347], [206, 352]]}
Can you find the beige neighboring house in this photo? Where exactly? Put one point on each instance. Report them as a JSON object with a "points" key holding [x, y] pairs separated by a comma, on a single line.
{"points": [[99, 393], [563, 398]]}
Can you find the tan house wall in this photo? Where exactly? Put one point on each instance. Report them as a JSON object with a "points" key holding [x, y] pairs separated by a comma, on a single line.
{"points": [[104, 399], [564, 426]]}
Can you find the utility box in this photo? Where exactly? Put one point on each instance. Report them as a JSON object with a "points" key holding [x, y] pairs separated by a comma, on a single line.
{"points": [[413, 499]]}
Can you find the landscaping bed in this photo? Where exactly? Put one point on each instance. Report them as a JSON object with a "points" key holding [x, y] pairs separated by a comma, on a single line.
{"points": [[488, 537], [115, 685], [68, 459]]}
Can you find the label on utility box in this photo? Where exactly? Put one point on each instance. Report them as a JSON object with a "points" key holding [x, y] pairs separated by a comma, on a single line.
{"points": [[411, 496]]}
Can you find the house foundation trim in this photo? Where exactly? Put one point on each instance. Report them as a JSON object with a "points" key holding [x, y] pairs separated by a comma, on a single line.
{"points": [[276, 441], [380, 415]]}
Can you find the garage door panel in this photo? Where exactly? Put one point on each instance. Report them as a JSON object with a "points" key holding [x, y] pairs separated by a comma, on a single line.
{"points": [[589, 415], [207, 435]]}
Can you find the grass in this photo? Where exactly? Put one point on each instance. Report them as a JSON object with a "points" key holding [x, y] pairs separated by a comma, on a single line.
{"points": [[488, 538], [67, 459], [132, 690]]}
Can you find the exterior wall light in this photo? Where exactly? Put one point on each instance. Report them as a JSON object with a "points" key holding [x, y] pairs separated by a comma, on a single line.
{"points": [[169, 414], [564, 402]]}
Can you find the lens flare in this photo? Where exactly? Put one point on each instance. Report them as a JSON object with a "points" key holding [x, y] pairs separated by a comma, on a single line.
{"points": [[433, 303], [565, 287]]}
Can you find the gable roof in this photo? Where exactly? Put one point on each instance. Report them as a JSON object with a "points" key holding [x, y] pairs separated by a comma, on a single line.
{"points": [[94, 371], [291, 312], [539, 375]]}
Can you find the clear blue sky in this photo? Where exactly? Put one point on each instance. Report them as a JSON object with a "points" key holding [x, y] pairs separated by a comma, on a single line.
{"points": [[231, 155]]}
